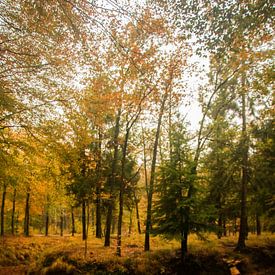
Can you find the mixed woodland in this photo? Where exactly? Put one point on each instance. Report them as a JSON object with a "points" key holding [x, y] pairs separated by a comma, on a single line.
{"points": [[137, 119]]}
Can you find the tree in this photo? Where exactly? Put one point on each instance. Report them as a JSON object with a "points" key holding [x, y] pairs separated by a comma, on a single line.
{"points": [[172, 188]]}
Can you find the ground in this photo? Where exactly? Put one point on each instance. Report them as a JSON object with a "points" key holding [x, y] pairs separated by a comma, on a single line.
{"points": [[66, 255]]}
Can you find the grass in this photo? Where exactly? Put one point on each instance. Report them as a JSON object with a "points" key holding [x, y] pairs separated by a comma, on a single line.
{"points": [[65, 255]]}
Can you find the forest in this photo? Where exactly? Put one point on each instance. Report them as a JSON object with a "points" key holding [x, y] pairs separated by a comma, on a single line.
{"points": [[137, 137]]}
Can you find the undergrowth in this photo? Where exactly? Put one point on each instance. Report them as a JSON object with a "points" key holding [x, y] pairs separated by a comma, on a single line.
{"points": [[57, 255]]}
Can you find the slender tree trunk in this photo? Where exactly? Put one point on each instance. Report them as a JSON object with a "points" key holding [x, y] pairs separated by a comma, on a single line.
{"points": [[258, 225], [130, 222], [145, 164], [219, 208], [98, 214], [61, 224], [27, 215], [93, 219], [73, 221], [244, 179], [47, 223], [3, 209], [84, 220], [13, 211], [234, 226], [220, 226], [114, 221], [121, 191], [137, 213], [224, 227], [152, 178], [112, 181], [87, 229], [47, 216], [98, 189], [183, 246]]}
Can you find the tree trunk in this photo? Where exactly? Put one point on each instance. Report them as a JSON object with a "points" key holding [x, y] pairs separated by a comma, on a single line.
{"points": [[3, 209], [87, 229], [121, 191], [152, 178], [258, 225], [224, 227], [84, 220], [98, 189], [145, 164], [47, 223], [130, 222], [47, 216], [137, 213], [98, 214], [244, 179], [183, 247], [13, 211], [73, 221], [220, 226], [61, 223], [27, 215], [93, 219], [112, 181], [114, 221], [234, 226]]}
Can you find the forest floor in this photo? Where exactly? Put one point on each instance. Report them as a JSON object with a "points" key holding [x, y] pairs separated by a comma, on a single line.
{"points": [[66, 255]]}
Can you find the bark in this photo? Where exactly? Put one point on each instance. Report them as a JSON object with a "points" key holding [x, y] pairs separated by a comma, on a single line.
{"points": [[152, 178], [61, 224], [87, 229], [13, 211], [129, 126], [130, 222], [121, 192], [244, 179], [114, 221], [98, 191], [27, 215], [220, 226], [137, 214], [73, 221], [93, 217], [47, 217], [112, 181], [234, 226], [3, 209], [98, 214], [224, 227], [84, 236], [145, 164], [47, 223]]}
